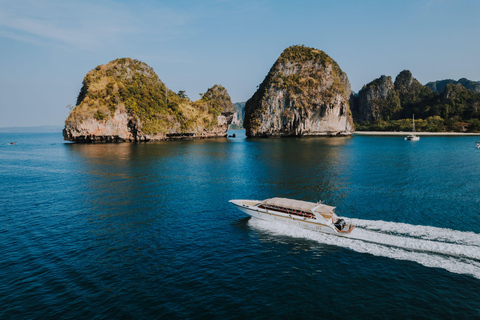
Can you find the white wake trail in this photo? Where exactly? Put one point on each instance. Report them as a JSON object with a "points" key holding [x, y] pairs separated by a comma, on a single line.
{"points": [[414, 244], [422, 232], [453, 257]]}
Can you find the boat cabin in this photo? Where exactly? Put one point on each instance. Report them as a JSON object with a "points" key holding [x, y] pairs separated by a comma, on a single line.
{"points": [[299, 208]]}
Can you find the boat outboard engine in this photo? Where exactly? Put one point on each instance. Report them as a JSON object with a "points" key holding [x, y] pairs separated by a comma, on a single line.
{"points": [[340, 224]]}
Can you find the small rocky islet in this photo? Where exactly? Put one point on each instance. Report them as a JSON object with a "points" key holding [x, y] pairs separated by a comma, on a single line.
{"points": [[305, 93], [125, 100]]}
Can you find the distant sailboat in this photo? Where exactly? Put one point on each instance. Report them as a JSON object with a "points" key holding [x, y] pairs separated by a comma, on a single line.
{"points": [[413, 136]]}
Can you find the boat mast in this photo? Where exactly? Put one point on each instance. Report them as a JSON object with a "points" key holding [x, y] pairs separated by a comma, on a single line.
{"points": [[413, 120]]}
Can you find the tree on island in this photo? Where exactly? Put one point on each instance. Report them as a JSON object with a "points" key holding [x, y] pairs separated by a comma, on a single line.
{"points": [[182, 94]]}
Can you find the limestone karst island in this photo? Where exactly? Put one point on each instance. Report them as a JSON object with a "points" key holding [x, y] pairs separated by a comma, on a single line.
{"points": [[305, 93], [125, 100]]}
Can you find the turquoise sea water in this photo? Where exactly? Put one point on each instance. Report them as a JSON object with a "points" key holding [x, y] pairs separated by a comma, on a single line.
{"points": [[145, 230]]}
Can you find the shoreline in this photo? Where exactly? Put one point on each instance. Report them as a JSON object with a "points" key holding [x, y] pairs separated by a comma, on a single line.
{"points": [[405, 133]]}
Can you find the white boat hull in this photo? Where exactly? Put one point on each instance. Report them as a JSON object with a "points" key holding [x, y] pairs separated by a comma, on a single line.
{"points": [[284, 218], [412, 138]]}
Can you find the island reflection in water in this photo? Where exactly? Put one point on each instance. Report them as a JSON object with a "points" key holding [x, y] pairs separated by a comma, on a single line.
{"points": [[310, 165], [162, 181]]}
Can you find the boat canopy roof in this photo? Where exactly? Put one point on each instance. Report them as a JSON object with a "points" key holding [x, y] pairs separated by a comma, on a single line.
{"points": [[298, 205]]}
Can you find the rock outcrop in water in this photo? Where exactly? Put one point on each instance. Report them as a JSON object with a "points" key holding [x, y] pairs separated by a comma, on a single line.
{"points": [[125, 100], [305, 93]]}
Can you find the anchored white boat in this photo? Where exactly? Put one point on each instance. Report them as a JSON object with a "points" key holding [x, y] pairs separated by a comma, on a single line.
{"points": [[413, 136], [307, 215]]}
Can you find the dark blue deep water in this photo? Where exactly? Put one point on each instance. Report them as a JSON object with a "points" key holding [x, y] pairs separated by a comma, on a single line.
{"points": [[145, 230]]}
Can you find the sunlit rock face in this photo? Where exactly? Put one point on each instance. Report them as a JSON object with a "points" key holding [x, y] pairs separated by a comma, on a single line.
{"points": [[305, 93]]}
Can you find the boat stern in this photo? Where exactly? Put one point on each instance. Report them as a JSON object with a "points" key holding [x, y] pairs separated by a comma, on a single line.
{"points": [[344, 229]]}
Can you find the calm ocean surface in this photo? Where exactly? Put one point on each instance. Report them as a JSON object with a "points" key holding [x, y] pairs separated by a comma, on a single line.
{"points": [[145, 230]]}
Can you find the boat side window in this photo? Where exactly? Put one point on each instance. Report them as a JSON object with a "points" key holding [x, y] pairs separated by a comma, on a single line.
{"points": [[289, 211]]}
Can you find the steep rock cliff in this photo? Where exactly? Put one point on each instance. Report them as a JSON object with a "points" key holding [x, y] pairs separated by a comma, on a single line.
{"points": [[383, 100], [409, 89], [125, 100], [305, 93], [375, 98]]}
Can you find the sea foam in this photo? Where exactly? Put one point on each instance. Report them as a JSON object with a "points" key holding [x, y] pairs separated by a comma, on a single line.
{"points": [[454, 251]]}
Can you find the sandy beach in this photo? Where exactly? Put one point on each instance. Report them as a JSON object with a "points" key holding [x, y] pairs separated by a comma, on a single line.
{"points": [[400, 133]]}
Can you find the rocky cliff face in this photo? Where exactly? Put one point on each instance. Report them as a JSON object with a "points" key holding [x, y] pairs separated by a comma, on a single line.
{"points": [[409, 89], [373, 98], [452, 91], [305, 93], [383, 100], [121, 126], [125, 100]]}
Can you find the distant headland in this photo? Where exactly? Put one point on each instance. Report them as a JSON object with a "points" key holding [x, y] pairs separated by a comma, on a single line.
{"points": [[441, 106]]}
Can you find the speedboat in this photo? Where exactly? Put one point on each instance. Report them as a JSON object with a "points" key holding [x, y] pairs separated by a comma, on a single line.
{"points": [[478, 144], [308, 215]]}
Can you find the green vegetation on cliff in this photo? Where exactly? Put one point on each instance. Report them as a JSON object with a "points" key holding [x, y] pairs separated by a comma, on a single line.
{"points": [[302, 54], [131, 85], [410, 91], [305, 83], [388, 106]]}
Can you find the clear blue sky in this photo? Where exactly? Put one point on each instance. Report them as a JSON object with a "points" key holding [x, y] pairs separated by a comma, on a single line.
{"points": [[47, 47]]}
